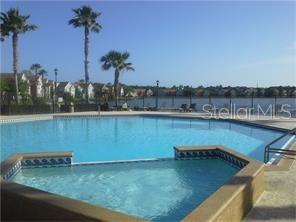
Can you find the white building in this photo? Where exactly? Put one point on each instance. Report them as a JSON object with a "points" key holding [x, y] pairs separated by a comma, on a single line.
{"points": [[149, 92], [63, 87], [36, 85], [90, 88]]}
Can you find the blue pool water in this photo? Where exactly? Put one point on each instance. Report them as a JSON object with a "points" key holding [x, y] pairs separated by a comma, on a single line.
{"points": [[156, 190], [125, 138]]}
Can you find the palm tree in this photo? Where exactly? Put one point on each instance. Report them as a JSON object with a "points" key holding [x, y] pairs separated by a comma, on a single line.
{"points": [[43, 73], [36, 67], [87, 18], [12, 22], [116, 60]]}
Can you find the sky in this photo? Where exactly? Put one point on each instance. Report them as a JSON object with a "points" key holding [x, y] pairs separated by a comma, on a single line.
{"points": [[244, 43]]}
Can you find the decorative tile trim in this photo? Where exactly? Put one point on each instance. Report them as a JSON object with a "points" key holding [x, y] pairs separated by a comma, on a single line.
{"points": [[211, 154], [15, 163], [25, 119], [76, 116], [46, 162], [13, 170], [121, 161]]}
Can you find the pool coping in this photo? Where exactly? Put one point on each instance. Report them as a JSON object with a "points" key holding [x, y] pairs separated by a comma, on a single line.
{"points": [[126, 114], [249, 178]]}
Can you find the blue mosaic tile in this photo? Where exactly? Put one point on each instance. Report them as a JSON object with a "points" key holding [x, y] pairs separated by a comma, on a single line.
{"points": [[12, 171], [46, 161], [210, 154]]}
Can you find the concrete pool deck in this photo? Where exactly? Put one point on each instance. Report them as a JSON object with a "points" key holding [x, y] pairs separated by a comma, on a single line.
{"points": [[277, 203], [264, 120]]}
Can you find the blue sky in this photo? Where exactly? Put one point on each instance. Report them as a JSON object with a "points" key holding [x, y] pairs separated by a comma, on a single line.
{"points": [[188, 43]]}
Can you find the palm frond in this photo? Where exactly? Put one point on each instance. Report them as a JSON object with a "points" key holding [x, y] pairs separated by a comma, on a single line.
{"points": [[125, 55], [128, 68], [42, 72], [96, 28], [117, 60], [85, 17], [29, 28], [13, 22]]}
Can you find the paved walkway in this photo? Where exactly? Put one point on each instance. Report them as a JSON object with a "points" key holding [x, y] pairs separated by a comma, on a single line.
{"points": [[264, 120], [278, 202]]}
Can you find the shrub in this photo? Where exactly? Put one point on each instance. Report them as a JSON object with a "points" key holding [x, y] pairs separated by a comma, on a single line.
{"points": [[14, 109]]}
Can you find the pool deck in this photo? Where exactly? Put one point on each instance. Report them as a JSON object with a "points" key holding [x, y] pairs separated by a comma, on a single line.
{"points": [[264, 120], [277, 203]]}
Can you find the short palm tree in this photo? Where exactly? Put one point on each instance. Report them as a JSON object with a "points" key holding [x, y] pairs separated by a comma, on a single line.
{"points": [[117, 61], [12, 22], [87, 18], [35, 68], [43, 73]]}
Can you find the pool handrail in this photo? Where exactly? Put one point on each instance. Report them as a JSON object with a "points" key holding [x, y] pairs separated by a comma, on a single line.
{"points": [[268, 149]]}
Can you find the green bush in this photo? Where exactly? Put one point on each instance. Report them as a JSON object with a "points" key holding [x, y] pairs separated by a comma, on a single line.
{"points": [[14, 109], [85, 107]]}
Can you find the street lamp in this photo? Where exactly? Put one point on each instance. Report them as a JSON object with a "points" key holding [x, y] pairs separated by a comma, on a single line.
{"points": [[252, 102], [156, 99], [55, 88], [190, 95]]}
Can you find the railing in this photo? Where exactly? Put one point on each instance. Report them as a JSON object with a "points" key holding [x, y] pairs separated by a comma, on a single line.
{"points": [[261, 106], [257, 106], [268, 149]]}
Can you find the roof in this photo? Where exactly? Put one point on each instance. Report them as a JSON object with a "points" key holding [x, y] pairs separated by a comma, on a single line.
{"points": [[32, 78], [169, 90], [8, 75], [49, 82], [139, 90], [62, 85], [82, 84], [98, 84]]}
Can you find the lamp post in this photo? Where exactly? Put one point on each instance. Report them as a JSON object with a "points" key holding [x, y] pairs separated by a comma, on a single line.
{"points": [[190, 95], [143, 101], [173, 98], [55, 88], [210, 99], [156, 99], [252, 103], [275, 111]]}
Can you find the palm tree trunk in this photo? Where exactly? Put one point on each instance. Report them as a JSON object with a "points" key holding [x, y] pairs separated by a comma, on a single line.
{"points": [[86, 46], [116, 86], [15, 64]]}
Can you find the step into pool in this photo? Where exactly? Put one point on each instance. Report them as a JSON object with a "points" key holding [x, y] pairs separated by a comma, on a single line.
{"points": [[160, 190]]}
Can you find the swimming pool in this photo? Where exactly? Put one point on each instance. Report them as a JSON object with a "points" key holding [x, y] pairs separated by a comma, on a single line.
{"points": [[133, 137], [163, 190]]}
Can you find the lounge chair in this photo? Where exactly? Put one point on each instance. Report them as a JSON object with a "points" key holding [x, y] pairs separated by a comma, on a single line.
{"points": [[124, 106], [183, 108], [104, 107], [192, 107]]}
